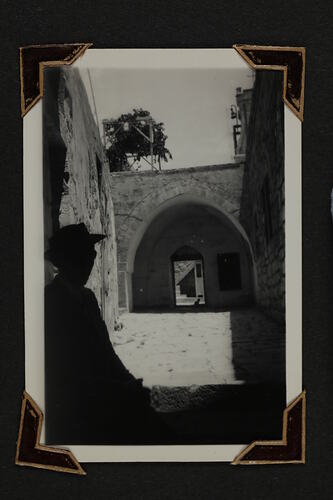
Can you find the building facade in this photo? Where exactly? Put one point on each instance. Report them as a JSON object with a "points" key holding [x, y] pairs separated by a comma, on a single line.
{"points": [[76, 181], [157, 214], [262, 208]]}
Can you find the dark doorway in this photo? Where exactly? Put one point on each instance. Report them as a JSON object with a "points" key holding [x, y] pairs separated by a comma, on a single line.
{"points": [[188, 278], [229, 271]]}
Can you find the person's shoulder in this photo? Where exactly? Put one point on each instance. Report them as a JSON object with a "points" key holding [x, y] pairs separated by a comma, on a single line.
{"points": [[57, 300], [53, 288], [88, 293], [90, 302], [89, 296], [58, 292]]}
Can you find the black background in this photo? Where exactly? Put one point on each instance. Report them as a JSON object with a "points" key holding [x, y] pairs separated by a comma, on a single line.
{"points": [[183, 23]]}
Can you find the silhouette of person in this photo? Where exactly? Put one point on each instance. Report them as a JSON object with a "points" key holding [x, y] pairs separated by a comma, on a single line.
{"points": [[91, 397]]}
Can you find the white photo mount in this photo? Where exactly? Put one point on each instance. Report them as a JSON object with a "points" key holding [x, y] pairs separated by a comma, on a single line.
{"points": [[34, 250]]}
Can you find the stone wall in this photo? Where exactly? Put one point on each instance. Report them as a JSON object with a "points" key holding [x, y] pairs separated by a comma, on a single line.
{"points": [[137, 194], [139, 197], [262, 209], [76, 182]]}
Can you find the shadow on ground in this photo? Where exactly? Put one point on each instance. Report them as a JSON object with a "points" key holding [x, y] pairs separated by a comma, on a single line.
{"points": [[244, 412], [240, 415], [250, 408]]}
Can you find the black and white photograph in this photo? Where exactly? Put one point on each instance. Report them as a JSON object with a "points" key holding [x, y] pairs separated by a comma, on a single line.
{"points": [[164, 254], [167, 207]]}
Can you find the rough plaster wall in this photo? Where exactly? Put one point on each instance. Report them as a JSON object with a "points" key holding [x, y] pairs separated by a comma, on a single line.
{"points": [[110, 275], [265, 156], [82, 199]]}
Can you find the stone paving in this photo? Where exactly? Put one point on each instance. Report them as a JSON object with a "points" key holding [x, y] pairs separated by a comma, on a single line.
{"points": [[201, 348]]}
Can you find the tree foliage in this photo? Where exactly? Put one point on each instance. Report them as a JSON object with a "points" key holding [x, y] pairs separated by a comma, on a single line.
{"points": [[126, 147]]}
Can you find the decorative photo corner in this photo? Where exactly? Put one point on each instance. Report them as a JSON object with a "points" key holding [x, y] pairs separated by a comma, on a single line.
{"points": [[188, 235], [29, 450]]}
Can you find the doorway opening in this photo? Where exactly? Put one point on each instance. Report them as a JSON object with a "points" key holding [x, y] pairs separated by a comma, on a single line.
{"points": [[188, 278]]}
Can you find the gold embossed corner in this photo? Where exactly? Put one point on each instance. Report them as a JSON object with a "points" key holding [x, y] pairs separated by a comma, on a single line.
{"points": [[289, 450], [34, 58], [290, 60], [30, 452]]}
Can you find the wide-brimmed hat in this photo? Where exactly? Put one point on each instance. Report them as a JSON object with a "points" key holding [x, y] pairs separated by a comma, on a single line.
{"points": [[71, 239]]}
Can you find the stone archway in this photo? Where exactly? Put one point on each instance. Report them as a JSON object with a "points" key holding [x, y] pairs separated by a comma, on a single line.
{"points": [[139, 198], [181, 221]]}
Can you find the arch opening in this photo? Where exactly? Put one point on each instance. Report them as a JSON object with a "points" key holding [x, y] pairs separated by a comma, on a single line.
{"points": [[202, 236]]}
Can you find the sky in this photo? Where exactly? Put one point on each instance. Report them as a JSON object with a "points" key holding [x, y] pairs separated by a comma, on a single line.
{"points": [[193, 104]]}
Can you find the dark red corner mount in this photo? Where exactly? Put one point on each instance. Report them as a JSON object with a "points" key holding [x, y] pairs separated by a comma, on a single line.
{"points": [[289, 450], [29, 451], [290, 60], [32, 60]]}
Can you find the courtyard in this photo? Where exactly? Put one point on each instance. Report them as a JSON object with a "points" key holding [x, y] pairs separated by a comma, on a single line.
{"points": [[181, 349]]}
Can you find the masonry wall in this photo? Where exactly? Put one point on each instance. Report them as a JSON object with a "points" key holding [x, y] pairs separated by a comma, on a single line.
{"points": [[262, 208], [77, 187], [138, 197], [136, 193]]}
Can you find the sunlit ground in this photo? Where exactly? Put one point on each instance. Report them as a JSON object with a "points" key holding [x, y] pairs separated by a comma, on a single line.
{"points": [[201, 348]]}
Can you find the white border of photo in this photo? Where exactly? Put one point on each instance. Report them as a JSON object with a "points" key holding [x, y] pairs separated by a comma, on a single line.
{"points": [[34, 250]]}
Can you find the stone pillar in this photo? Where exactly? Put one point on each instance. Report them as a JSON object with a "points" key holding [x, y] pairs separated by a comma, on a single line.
{"points": [[122, 286], [129, 291]]}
